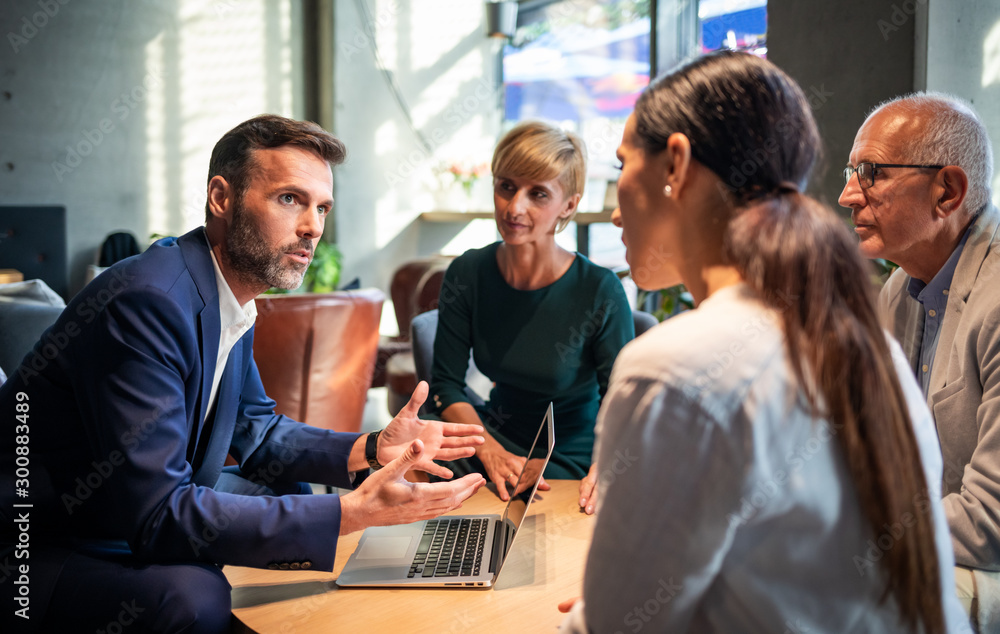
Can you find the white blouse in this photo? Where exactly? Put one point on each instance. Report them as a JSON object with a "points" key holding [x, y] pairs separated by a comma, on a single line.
{"points": [[723, 505]]}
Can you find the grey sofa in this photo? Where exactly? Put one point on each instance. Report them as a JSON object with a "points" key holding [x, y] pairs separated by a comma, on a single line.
{"points": [[26, 310]]}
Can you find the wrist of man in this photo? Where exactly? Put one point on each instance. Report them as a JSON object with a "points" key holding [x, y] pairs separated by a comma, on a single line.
{"points": [[356, 461], [372, 450], [351, 510]]}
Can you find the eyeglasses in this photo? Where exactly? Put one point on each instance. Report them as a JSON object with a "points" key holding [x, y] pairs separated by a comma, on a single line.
{"points": [[866, 172]]}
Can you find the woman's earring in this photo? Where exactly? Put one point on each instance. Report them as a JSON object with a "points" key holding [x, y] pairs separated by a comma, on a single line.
{"points": [[668, 191]]}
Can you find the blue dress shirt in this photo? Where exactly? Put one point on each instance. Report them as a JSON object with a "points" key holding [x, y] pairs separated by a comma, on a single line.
{"points": [[933, 296]]}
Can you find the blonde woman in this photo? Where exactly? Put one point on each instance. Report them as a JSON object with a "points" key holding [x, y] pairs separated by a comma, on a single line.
{"points": [[543, 323]]}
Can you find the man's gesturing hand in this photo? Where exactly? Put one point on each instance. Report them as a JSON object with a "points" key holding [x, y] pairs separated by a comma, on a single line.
{"points": [[386, 498], [442, 441]]}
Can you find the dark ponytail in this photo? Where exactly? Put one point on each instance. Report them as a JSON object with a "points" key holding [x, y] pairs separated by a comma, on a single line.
{"points": [[800, 257], [751, 125]]}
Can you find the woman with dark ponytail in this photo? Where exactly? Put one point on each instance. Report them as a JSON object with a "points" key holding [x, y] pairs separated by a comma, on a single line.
{"points": [[765, 462]]}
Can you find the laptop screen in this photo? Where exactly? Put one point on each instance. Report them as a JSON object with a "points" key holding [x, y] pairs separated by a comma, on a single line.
{"points": [[538, 457]]}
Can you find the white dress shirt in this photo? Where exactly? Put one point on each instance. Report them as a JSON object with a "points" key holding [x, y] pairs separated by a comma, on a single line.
{"points": [[723, 505], [235, 320]]}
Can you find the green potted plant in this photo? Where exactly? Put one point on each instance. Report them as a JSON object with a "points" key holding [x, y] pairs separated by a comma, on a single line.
{"points": [[666, 302]]}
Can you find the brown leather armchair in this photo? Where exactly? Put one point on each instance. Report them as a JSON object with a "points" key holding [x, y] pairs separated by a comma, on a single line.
{"points": [[414, 289], [316, 353]]}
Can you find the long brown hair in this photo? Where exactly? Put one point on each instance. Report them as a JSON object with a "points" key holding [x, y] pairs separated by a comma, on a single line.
{"points": [[751, 125]]}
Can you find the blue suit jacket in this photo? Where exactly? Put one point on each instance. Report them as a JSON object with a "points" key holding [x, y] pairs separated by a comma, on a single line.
{"points": [[117, 392]]}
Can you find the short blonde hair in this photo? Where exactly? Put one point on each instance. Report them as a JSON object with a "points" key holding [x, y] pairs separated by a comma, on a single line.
{"points": [[540, 151]]}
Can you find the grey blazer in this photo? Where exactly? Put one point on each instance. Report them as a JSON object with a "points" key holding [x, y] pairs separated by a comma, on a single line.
{"points": [[964, 392]]}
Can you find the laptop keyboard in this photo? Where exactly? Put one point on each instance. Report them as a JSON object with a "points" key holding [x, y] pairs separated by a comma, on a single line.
{"points": [[450, 548]]}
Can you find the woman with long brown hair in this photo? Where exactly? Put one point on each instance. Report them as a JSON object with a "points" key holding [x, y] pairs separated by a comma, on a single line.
{"points": [[784, 472]]}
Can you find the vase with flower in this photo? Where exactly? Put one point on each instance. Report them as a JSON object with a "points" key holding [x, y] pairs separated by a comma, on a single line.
{"points": [[466, 175]]}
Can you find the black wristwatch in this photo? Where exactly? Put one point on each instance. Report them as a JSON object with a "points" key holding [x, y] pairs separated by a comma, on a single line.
{"points": [[371, 450]]}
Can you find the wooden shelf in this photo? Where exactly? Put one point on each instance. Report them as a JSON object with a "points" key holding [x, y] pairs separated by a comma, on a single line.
{"points": [[8, 276]]}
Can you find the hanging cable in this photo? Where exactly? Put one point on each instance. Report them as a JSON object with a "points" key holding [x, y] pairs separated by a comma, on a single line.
{"points": [[390, 79]]}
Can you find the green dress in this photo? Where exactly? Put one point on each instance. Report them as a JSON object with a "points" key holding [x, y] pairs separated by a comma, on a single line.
{"points": [[555, 343]]}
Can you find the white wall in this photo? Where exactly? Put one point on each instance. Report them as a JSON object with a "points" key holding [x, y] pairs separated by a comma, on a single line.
{"points": [[963, 58], [845, 64], [446, 70], [111, 108]]}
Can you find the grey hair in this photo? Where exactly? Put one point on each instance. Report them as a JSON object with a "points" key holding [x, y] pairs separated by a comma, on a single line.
{"points": [[955, 135]]}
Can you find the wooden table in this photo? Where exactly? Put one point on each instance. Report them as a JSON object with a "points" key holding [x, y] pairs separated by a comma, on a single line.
{"points": [[554, 544], [10, 275]]}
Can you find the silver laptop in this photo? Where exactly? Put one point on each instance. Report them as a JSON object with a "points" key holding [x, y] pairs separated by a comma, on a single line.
{"points": [[466, 551]]}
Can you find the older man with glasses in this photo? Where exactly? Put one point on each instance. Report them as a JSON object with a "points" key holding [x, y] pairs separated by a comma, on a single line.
{"points": [[918, 186]]}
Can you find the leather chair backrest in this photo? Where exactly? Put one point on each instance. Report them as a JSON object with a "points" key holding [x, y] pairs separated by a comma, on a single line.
{"points": [[643, 321], [415, 287], [428, 291], [423, 330], [117, 246], [316, 354]]}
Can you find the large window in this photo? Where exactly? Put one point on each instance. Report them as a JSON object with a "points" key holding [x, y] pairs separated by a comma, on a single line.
{"points": [[739, 25], [583, 63]]}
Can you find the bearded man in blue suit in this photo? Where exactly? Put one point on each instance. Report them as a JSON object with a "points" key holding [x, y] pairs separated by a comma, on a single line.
{"points": [[125, 410]]}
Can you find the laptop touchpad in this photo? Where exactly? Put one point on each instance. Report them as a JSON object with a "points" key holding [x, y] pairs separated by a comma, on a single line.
{"points": [[384, 548]]}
